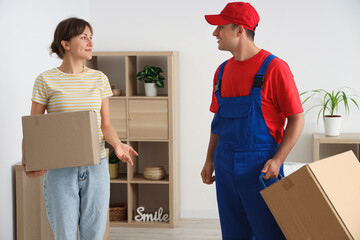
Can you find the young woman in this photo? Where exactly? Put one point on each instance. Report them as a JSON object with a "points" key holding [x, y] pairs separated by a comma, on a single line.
{"points": [[77, 197]]}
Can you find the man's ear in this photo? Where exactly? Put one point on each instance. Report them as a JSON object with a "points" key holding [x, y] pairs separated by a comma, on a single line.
{"points": [[65, 45], [240, 30]]}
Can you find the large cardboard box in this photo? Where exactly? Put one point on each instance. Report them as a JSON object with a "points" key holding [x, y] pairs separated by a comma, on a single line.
{"points": [[59, 140], [319, 201], [31, 219]]}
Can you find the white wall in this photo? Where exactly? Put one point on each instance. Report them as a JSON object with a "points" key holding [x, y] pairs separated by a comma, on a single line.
{"points": [[319, 40], [27, 28]]}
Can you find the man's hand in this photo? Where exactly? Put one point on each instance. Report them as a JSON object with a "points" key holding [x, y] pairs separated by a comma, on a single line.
{"points": [[123, 153], [271, 168], [207, 172]]}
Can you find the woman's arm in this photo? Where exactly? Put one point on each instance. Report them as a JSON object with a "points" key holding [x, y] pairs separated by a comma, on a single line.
{"points": [[122, 150], [36, 108]]}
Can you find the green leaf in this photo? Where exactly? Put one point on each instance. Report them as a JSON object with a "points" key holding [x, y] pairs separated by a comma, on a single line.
{"points": [[330, 101], [151, 74]]}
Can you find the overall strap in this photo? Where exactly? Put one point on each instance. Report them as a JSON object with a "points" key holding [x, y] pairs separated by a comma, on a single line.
{"points": [[259, 77], [220, 73]]}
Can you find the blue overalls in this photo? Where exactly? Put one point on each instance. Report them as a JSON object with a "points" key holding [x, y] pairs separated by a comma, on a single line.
{"points": [[244, 146]]}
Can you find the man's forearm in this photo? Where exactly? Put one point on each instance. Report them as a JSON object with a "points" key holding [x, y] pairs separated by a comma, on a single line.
{"points": [[292, 133], [212, 146]]}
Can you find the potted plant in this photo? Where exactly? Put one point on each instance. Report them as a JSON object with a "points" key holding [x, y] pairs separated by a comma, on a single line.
{"points": [[329, 107], [152, 78], [113, 165]]}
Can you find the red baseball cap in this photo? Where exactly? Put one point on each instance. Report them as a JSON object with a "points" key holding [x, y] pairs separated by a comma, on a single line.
{"points": [[239, 13]]}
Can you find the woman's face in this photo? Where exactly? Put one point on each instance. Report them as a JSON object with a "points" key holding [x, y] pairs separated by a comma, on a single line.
{"points": [[80, 47]]}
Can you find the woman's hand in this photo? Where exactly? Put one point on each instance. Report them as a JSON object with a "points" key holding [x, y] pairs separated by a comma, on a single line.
{"points": [[123, 153], [33, 174], [36, 108]]}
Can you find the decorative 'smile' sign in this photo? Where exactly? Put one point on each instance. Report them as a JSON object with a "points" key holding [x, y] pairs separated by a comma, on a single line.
{"points": [[157, 216]]}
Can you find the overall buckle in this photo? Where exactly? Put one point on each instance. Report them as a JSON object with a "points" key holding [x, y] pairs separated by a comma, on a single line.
{"points": [[258, 81]]}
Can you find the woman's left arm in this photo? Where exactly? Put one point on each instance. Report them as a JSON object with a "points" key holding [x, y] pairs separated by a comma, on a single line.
{"points": [[122, 150]]}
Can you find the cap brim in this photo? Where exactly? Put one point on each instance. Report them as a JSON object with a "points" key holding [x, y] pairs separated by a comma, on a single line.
{"points": [[216, 20]]}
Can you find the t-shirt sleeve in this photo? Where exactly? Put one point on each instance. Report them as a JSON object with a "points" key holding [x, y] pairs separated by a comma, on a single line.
{"points": [[106, 92], [214, 104], [285, 93], [39, 94]]}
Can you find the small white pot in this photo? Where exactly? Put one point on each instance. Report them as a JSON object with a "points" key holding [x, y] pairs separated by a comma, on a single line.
{"points": [[332, 125], [150, 90]]}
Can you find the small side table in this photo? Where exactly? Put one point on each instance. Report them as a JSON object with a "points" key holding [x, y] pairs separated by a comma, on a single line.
{"points": [[343, 138]]}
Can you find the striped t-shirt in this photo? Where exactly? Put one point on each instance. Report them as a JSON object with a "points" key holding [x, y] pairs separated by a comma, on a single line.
{"points": [[63, 92]]}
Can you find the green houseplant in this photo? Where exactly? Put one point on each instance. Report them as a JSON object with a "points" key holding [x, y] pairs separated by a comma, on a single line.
{"points": [[329, 106], [113, 165], [152, 78]]}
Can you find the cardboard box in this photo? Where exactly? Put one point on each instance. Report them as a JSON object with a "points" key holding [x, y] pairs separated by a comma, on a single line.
{"points": [[59, 140], [319, 201]]}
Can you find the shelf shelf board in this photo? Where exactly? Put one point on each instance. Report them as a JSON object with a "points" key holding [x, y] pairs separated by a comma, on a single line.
{"points": [[148, 98], [343, 138], [117, 97], [147, 140], [120, 179], [139, 178], [136, 224], [150, 224], [135, 53], [119, 223]]}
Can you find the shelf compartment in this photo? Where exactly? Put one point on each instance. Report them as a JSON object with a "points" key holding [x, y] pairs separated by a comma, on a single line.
{"points": [[122, 178], [119, 194], [151, 197], [112, 66], [134, 64], [150, 154]]}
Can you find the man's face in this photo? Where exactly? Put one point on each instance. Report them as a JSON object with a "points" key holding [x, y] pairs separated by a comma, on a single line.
{"points": [[227, 36]]}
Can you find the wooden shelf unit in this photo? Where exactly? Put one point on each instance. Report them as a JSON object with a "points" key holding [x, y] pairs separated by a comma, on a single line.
{"points": [[344, 138], [151, 126]]}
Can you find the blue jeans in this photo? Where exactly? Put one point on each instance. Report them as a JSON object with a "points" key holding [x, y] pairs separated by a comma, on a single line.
{"points": [[78, 198]]}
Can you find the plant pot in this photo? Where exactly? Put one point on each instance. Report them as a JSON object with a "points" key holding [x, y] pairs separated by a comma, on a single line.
{"points": [[150, 90], [332, 125], [114, 170]]}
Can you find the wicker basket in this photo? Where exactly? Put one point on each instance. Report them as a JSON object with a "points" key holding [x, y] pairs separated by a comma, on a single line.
{"points": [[117, 92], [118, 212], [154, 173]]}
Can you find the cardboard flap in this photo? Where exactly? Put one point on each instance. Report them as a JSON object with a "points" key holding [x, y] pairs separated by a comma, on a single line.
{"points": [[339, 177]]}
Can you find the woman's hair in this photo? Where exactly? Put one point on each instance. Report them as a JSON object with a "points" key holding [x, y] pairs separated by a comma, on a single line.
{"points": [[66, 30]]}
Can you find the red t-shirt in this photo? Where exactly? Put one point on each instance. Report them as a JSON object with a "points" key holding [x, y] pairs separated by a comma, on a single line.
{"points": [[279, 96]]}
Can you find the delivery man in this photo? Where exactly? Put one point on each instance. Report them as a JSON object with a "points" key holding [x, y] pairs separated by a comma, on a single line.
{"points": [[254, 94]]}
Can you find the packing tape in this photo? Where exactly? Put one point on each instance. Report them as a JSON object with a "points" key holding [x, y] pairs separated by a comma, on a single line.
{"points": [[287, 184]]}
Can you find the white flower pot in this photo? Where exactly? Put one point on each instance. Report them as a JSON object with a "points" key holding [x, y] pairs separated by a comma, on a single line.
{"points": [[332, 125], [150, 90]]}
